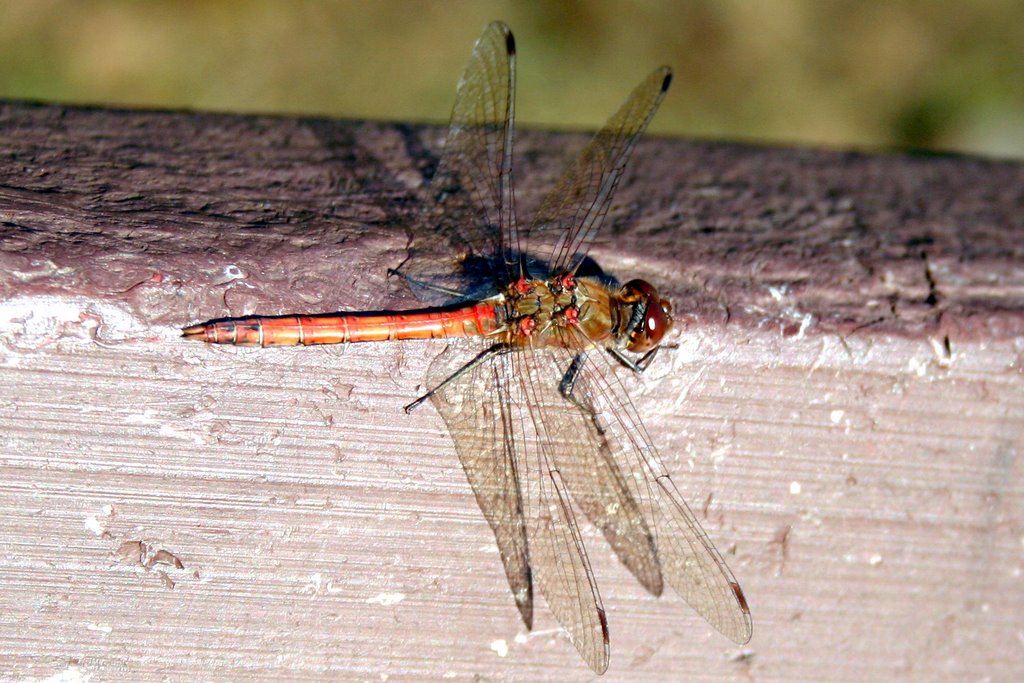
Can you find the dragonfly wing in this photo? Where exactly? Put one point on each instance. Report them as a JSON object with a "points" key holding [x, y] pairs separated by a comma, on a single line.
{"points": [[478, 411], [469, 218], [558, 558], [689, 561], [492, 414], [582, 455], [572, 213]]}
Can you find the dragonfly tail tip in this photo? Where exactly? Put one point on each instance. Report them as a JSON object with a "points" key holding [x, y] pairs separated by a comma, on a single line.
{"points": [[193, 331]]}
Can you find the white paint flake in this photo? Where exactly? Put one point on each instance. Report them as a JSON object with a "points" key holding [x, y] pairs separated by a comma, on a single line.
{"points": [[98, 523], [72, 674], [500, 646], [386, 599], [105, 629]]}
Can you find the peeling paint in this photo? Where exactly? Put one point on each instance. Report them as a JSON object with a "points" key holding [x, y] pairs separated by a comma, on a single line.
{"points": [[386, 599]]}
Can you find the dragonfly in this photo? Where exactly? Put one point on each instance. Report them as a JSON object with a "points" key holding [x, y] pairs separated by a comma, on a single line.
{"points": [[528, 385]]}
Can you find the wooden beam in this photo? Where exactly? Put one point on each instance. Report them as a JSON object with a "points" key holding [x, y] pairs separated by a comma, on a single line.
{"points": [[844, 410]]}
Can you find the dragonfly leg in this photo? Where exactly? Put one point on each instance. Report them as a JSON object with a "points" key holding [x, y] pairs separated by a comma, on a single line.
{"points": [[425, 285], [485, 355], [567, 389], [635, 365], [568, 383]]}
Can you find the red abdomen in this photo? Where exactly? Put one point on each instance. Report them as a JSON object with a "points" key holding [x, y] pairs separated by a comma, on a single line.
{"points": [[293, 330]]}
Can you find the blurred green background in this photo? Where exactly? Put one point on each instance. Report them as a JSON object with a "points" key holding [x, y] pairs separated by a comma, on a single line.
{"points": [[921, 74]]}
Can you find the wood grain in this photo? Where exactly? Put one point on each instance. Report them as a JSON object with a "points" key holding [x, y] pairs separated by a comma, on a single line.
{"points": [[844, 410]]}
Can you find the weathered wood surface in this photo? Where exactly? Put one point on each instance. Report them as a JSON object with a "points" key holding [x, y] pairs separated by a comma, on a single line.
{"points": [[845, 409]]}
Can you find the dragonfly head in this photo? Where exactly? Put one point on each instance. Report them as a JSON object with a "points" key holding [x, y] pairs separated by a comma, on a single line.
{"points": [[650, 316]]}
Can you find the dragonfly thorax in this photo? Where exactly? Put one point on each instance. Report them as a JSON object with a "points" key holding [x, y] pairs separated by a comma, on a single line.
{"points": [[554, 312]]}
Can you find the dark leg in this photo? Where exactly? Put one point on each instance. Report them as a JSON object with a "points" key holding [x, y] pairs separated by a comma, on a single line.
{"points": [[567, 389], [635, 365], [486, 354], [568, 383]]}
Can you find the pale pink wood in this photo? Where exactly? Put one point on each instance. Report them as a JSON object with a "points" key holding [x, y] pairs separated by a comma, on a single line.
{"points": [[845, 410]]}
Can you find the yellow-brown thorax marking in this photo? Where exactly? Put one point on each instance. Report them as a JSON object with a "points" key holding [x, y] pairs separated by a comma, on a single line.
{"points": [[537, 312]]}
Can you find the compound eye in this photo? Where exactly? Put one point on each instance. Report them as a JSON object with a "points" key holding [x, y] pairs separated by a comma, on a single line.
{"points": [[657, 316], [656, 323]]}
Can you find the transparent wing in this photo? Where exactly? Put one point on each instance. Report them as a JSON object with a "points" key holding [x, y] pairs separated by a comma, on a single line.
{"points": [[580, 452], [572, 213], [559, 560], [496, 416], [478, 411], [470, 214], [689, 562]]}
